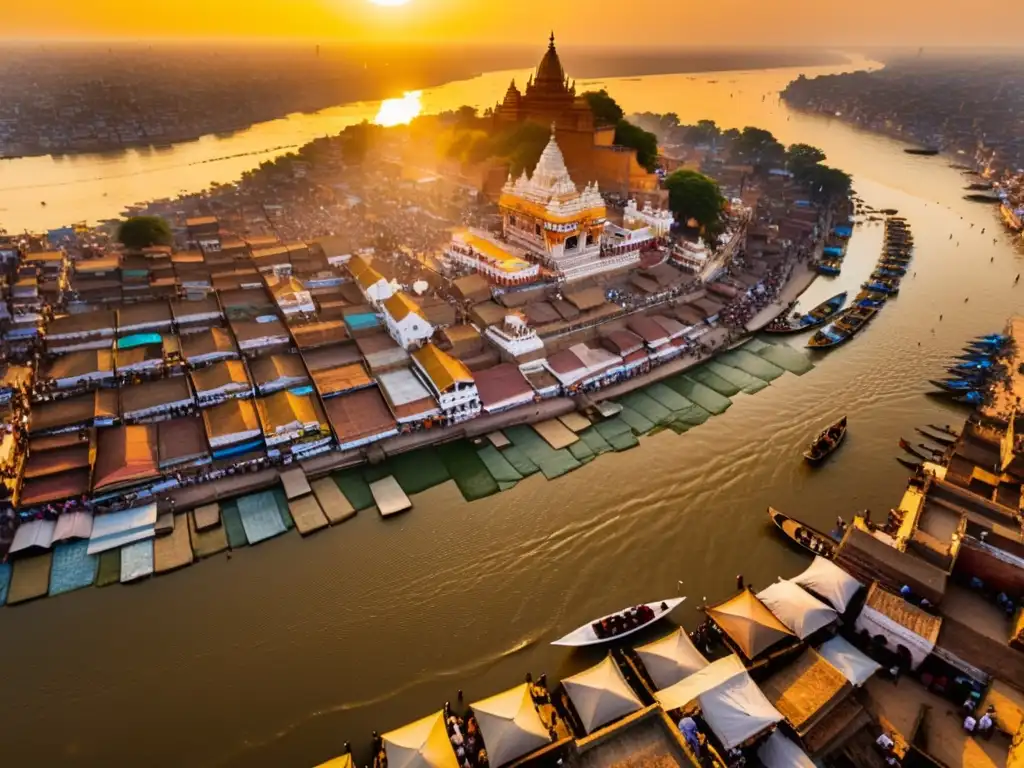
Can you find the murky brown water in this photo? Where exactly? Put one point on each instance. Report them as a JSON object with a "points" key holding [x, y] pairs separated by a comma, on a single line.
{"points": [[280, 654]]}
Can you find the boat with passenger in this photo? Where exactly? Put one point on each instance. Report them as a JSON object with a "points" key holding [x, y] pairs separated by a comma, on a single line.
{"points": [[843, 329], [826, 442], [888, 287], [620, 624], [813, 319], [806, 536], [830, 267]]}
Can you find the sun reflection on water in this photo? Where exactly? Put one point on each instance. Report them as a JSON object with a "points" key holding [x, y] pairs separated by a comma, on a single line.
{"points": [[399, 111]]}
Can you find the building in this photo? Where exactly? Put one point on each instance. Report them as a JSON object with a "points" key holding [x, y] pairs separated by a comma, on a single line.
{"points": [[516, 338], [641, 229], [405, 321], [372, 284], [498, 262], [549, 218], [450, 381], [550, 98]]}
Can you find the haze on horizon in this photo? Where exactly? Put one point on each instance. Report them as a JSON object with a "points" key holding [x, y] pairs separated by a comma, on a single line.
{"points": [[677, 23]]}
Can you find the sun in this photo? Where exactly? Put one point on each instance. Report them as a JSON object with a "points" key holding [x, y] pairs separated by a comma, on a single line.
{"points": [[389, 2]]}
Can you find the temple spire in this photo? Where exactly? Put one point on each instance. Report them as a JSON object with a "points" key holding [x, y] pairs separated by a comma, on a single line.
{"points": [[551, 41]]}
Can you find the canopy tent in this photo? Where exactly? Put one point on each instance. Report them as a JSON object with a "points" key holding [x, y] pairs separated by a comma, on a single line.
{"points": [[510, 725], [423, 744], [780, 752], [748, 623], [671, 659], [855, 666], [795, 608], [345, 761], [691, 688], [900, 623], [830, 582], [601, 694]]}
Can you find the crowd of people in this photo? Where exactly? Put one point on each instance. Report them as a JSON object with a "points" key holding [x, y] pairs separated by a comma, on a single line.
{"points": [[627, 621]]}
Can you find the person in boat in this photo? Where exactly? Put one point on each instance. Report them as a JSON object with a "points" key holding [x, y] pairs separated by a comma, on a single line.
{"points": [[690, 731]]}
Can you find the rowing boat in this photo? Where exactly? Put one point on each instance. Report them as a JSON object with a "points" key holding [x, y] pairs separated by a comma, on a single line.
{"points": [[816, 317], [906, 446], [843, 328], [936, 438], [914, 465], [947, 429], [826, 442], [587, 635], [811, 539]]}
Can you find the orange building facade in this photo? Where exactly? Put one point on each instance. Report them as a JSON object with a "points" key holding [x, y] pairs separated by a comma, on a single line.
{"points": [[590, 152]]}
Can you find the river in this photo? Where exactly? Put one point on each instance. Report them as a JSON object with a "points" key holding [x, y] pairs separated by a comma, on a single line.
{"points": [[280, 653]]}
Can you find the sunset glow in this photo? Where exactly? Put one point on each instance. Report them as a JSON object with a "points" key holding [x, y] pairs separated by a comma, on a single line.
{"points": [[389, 2], [401, 111]]}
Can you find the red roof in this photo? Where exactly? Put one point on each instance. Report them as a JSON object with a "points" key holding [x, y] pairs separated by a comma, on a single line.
{"points": [[501, 383]]}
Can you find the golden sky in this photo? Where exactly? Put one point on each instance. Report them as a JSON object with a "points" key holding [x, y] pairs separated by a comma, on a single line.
{"points": [[762, 23]]}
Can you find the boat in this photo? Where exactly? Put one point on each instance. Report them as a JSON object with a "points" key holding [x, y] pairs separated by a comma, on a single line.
{"points": [[888, 287], [925, 151], [983, 197], [993, 338], [970, 398], [888, 211], [811, 539], [984, 365], [843, 328], [954, 385], [946, 429], [830, 267], [587, 634], [827, 441], [914, 465], [981, 344], [974, 356], [936, 438], [816, 317], [906, 446]]}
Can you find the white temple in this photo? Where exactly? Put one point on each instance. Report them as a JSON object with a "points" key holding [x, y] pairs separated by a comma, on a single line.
{"points": [[516, 337]]}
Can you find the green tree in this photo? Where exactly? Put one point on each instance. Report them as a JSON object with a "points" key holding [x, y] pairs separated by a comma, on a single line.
{"points": [[644, 142], [704, 132], [522, 144], [828, 184], [465, 115], [606, 110], [801, 158], [759, 147], [144, 231], [693, 195]]}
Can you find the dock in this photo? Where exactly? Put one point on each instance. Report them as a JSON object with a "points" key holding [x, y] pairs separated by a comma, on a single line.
{"points": [[389, 496]]}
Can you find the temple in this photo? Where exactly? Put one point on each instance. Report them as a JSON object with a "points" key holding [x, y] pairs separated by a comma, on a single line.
{"points": [[546, 216], [589, 149]]}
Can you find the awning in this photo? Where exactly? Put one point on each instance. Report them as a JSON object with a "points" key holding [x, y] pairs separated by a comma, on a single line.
{"points": [[780, 752], [690, 688], [422, 744], [671, 659], [855, 666], [830, 582], [601, 694], [748, 623], [795, 608], [510, 725]]}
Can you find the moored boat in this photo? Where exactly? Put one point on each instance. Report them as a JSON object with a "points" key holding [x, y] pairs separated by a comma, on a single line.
{"points": [[811, 539], [830, 267], [970, 398], [924, 151], [827, 441], [888, 287], [936, 438], [914, 465], [906, 446], [947, 429], [816, 317], [620, 624], [955, 385], [843, 328]]}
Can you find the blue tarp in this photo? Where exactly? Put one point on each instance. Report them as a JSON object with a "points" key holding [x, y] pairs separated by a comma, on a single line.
{"points": [[843, 231], [139, 340], [238, 450], [5, 581], [832, 250], [299, 391], [72, 567], [260, 516], [363, 321]]}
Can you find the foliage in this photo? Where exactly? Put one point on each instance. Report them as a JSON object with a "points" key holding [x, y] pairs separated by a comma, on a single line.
{"points": [[606, 110], [522, 144], [356, 141], [644, 142], [759, 147], [144, 231], [801, 158], [704, 132], [827, 183], [693, 195]]}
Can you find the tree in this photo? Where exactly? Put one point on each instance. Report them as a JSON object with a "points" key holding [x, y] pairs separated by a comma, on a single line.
{"points": [[521, 144], [759, 147], [828, 184], [644, 142], [606, 110], [704, 132], [693, 195], [465, 115], [356, 142], [801, 158], [144, 231]]}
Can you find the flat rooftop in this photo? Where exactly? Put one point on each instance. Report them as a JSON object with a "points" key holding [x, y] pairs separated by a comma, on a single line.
{"points": [[505, 257], [973, 610], [641, 744]]}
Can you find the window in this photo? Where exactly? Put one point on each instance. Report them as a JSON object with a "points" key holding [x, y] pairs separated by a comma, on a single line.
{"points": [[511, 221], [537, 230], [572, 243]]}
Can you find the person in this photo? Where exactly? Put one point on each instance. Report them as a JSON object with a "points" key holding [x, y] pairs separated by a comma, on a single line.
{"points": [[970, 723], [688, 726], [885, 742], [905, 592], [986, 724], [893, 760]]}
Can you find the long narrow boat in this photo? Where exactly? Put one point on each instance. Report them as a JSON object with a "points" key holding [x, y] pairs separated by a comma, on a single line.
{"points": [[842, 329], [906, 446], [818, 316], [914, 465], [811, 539], [827, 441], [947, 429], [959, 386], [888, 287], [830, 267], [935, 438], [588, 635]]}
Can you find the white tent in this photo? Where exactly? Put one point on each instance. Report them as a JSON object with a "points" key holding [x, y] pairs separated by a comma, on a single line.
{"points": [[423, 744], [855, 666], [780, 752], [600, 695], [690, 688], [671, 659], [801, 612], [510, 725], [737, 710], [827, 580]]}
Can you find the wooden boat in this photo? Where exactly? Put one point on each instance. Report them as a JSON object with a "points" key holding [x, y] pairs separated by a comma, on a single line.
{"points": [[970, 398], [947, 429], [830, 267], [936, 438], [906, 446], [914, 465], [822, 447], [816, 317], [925, 151], [843, 328], [888, 287], [811, 539], [587, 635], [958, 386]]}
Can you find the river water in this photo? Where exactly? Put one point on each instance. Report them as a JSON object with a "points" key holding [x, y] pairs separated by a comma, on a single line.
{"points": [[281, 653]]}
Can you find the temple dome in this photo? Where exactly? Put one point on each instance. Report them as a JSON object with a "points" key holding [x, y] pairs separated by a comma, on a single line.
{"points": [[550, 69]]}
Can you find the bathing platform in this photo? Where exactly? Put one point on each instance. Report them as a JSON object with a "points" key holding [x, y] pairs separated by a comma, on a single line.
{"points": [[389, 496]]}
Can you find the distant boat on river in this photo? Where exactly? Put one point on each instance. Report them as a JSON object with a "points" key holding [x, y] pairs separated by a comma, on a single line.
{"points": [[926, 151]]}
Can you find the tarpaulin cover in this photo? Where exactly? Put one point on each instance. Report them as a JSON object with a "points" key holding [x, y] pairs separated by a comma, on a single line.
{"points": [[701, 394], [707, 678], [827, 580], [797, 609], [415, 471], [138, 340], [232, 523], [668, 397], [755, 365], [260, 516], [499, 466], [748, 623], [137, 561], [110, 568], [742, 379], [779, 752], [786, 357], [510, 725], [617, 433], [601, 694], [582, 452], [693, 416], [671, 659], [709, 378], [5, 581], [637, 422], [736, 710], [518, 459], [855, 665], [594, 441], [551, 462], [646, 405], [72, 568], [468, 471]]}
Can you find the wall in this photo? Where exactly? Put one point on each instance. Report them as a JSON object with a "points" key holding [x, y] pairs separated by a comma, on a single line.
{"points": [[990, 656], [997, 574]]}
